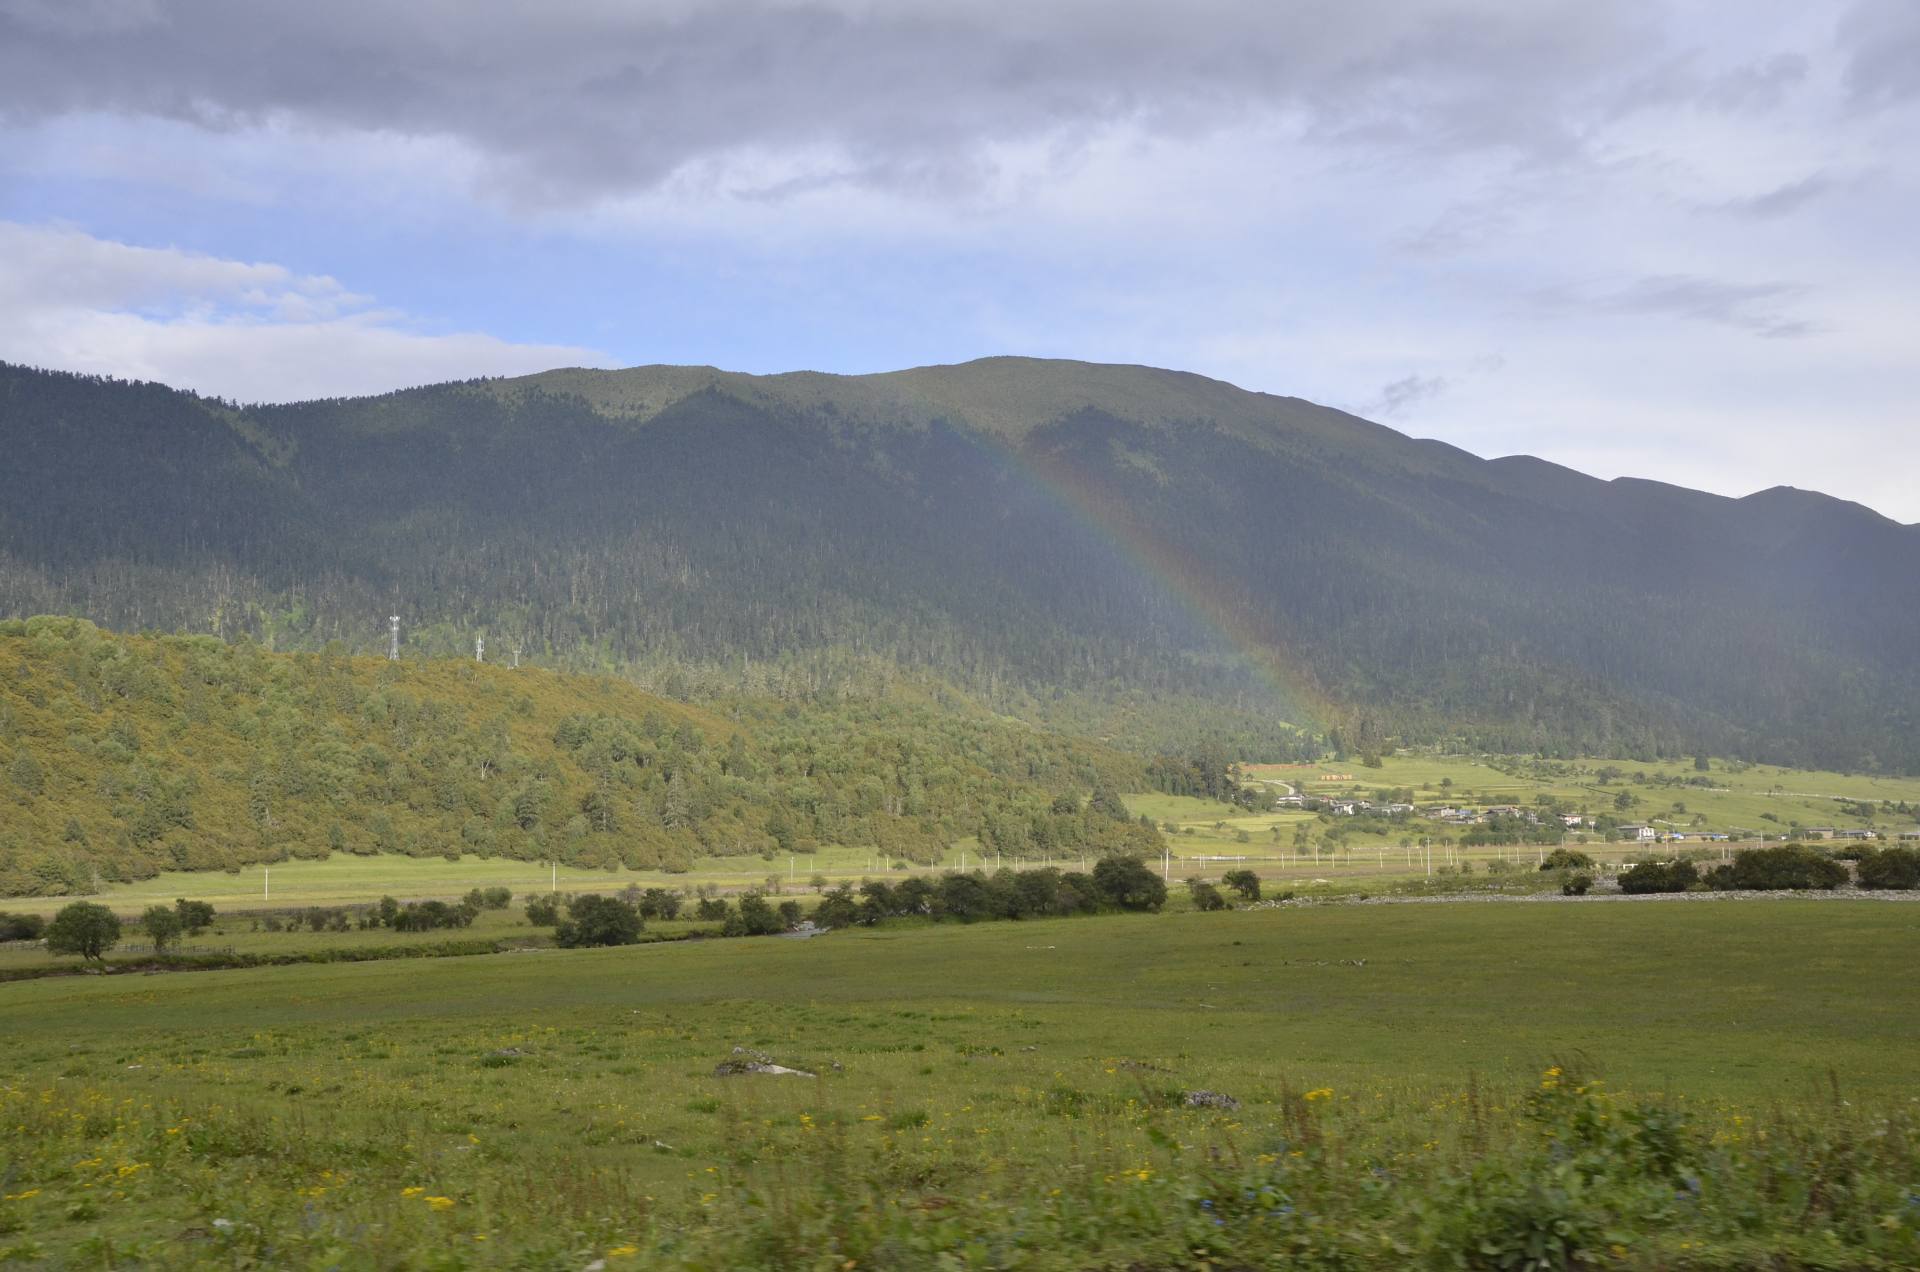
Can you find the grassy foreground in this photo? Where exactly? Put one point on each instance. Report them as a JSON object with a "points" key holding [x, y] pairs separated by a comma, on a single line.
{"points": [[1620, 1085]]}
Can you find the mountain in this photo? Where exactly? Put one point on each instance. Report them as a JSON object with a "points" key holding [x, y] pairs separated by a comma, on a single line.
{"points": [[1129, 551]]}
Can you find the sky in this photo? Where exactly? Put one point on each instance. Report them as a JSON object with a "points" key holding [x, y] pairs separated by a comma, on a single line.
{"points": [[1662, 238]]}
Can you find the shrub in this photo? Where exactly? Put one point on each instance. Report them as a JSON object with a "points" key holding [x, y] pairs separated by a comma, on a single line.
{"points": [[758, 917], [21, 927], [659, 903], [712, 910], [1659, 876], [490, 898], [1566, 859], [1779, 868], [1891, 868], [543, 911], [837, 909], [1205, 895], [85, 929], [162, 925], [195, 916], [1126, 883], [598, 920], [426, 916], [1576, 885], [1245, 882]]}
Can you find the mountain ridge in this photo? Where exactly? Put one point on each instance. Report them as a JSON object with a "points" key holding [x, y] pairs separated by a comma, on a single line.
{"points": [[1038, 531]]}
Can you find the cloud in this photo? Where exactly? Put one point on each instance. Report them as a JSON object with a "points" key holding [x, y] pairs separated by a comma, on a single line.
{"points": [[1782, 200], [1881, 39], [582, 98], [1408, 391], [1754, 307], [245, 330]]}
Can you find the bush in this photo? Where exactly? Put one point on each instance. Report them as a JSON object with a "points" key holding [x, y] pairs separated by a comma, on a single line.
{"points": [[490, 898], [1576, 885], [427, 916], [712, 910], [1787, 866], [162, 925], [195, 916], [543, 911], [598, 920], [1891, 868], [1126, 883], [758, 917], [1566, 859], [21, 927], [1205, 895], [1245, 882], [1659, 876], [838, 909], [85, 929], [659, 903]]}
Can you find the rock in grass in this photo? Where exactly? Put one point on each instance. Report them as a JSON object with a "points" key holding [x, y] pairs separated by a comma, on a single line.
{"points": [[746, 1060], [1211, 1100]]}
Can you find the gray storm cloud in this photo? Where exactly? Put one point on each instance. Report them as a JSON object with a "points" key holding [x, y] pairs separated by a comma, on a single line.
{"points": [[579, 98]]}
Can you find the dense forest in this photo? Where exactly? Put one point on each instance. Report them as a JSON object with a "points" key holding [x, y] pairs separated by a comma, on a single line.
{"points": [[1141, 556], [121, 756]]}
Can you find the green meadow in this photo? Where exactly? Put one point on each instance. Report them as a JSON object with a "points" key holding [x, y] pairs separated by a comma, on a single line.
{"points": [[1657, 1085]]}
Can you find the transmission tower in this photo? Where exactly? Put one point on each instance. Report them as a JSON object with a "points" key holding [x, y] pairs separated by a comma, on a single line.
{"points": [[393, 639], [479, 649]]}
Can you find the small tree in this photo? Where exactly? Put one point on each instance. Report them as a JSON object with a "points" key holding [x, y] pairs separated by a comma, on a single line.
{"points": [[1127, 884], [195, 916], [21, 927], [659, 903], [1245, 882], [758, 917], [543, 911], [1891, 868], [85, 929], [163, 927], [1205, 895], [598, 920]]}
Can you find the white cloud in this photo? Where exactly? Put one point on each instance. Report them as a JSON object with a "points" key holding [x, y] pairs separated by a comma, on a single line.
{"points": [[244, 330]]}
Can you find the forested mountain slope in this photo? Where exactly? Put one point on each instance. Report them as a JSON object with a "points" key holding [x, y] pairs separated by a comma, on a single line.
{"points": [[121, 756], [1116, 548]]}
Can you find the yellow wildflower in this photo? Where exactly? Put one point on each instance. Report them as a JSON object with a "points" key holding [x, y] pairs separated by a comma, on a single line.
{"points": [[440, 1203]]}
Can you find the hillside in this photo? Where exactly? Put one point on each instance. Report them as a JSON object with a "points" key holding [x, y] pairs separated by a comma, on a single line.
{"points": [[1140, 554], [122, 756]]}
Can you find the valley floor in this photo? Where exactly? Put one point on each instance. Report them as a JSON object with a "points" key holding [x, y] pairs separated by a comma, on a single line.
{"points": [[1406, 1084]]}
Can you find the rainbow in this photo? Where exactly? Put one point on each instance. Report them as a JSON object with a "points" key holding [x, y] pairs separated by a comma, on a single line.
{"points": [[1217, 604]]}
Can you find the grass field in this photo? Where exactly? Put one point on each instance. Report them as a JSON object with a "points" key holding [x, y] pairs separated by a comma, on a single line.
{"points": [[1002, 1095]]}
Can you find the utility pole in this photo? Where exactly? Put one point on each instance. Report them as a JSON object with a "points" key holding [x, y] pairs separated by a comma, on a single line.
{"points": [[266, 881], [393, 638]]}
